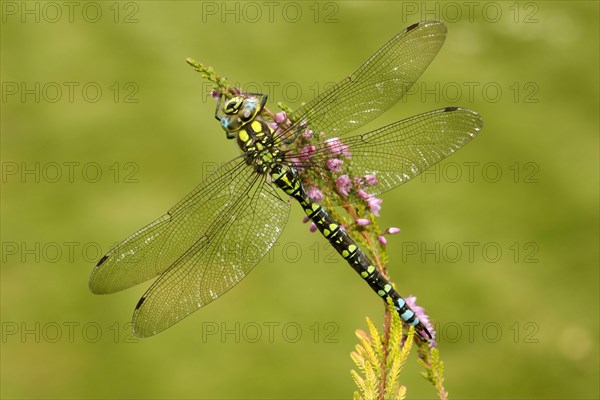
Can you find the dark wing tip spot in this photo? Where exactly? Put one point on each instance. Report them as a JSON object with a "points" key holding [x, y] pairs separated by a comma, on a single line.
{"points": [[102, 260], [448, 109], [413, 26], [139, 304]]}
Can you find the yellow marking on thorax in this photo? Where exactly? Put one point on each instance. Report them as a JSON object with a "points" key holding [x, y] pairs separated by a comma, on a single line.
{"points": [[256, 126], [243, 135]]}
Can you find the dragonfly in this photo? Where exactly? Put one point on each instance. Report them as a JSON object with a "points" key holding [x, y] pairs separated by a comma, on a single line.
{"points": [[213, 237]]}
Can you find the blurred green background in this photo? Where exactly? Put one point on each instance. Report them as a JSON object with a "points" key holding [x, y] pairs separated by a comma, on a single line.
{"points": [[104, 127]]}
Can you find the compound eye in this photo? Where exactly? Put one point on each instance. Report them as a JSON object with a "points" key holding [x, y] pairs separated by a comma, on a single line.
{"points": [[231, 123], [249, 110], [246, 115]]}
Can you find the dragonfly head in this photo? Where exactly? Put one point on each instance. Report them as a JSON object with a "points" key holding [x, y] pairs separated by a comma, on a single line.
{"points": [[237, 112]]}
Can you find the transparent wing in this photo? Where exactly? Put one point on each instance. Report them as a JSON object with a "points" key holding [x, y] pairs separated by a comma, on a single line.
{"points": [[151, 250], [195, 219], [400, 151], [246, 227], [377, 85]]}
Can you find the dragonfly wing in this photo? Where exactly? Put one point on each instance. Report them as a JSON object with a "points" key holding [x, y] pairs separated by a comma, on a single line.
{"points": [[377, 85], [246, 227], [402, 150], [150, 251]]}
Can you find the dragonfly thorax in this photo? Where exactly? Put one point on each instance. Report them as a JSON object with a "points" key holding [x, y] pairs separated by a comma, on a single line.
{"points": [[259, 146]]}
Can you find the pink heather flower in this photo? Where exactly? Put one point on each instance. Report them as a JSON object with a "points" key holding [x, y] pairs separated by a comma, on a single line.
{"points": [[215, 94], [374, 205], [307, 134], [371, 180], [307, 152], [343, 184], [281, 117], [346, 151], [392, 230], [305, 219], [312, 227], [315, 194], [362, 194], [335, 146], [382, 240], [334, 165], [277, 129], [411, 301], [363, 222]]}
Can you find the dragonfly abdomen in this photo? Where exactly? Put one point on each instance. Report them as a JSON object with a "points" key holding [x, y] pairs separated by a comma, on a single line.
{"points": [[286, 178]]}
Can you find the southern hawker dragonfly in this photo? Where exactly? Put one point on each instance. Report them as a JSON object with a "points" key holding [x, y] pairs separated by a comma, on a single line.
{"points": [[214, 236]]}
